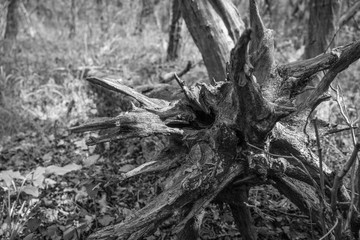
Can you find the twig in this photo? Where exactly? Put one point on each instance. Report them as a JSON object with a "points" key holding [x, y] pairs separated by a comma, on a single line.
{"points": [[290, 214], [271, 154], [339, 177], [332, 229], [343, 19], [322, 185], [316, 186], [349, 14], [184, 88], [332, 39], [332, 131], [353, 166], [190, 96], [166, 78]]}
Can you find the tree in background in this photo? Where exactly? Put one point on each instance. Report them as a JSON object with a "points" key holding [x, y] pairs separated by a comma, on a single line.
{"points": [[12, 24], [146, 9], [176, 23], [100, 17], [72, 24], [322, 26]]}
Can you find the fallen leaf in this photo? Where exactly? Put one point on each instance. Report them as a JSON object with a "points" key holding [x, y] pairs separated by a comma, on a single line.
{"points": [[126, 168], [92, 189], [38, 176], [105, 220], [31, 190], [69, 233], [30, 236], [47, 157], [52, 232], [81, 144], [62, 170], [91, 160], [103, 203], [49, 182], [33, 224], [9, 175]]}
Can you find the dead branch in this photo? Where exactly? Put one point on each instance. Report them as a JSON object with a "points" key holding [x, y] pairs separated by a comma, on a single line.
{"points": [[349, 14], [261, 47], [347, 57], [115, 84], [166, 78]]}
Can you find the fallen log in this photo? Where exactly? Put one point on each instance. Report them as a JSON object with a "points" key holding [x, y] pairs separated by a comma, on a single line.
{"points": [[230, 136]]}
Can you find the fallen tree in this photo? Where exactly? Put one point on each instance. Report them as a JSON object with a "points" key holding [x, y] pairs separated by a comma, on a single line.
{"points": [[235, 134]]}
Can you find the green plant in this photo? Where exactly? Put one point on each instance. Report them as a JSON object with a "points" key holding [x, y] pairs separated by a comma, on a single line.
{"points": [[16, 210]]}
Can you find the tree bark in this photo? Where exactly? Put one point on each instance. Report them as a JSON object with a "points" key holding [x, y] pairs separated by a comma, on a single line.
{"points": [[241, 213], [174, 45], [12, 24], [215, 25], [224, 138], [72, 24], [322, 26]]}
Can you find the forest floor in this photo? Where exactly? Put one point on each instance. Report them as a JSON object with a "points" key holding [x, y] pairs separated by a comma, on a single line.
{"points": [[59, 188], [54, 186]]}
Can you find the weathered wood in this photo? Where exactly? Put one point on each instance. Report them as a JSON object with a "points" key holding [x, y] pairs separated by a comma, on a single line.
{"points": [[171, 76], [198, 183], [215, 25], [340, 175], [256, 116], [242, 215], [347, 57], [115, 84], [238, 133], [261, 46], [174, 154], [305, 68]]}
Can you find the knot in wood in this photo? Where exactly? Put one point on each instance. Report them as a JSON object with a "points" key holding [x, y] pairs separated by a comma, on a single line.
{"points": [[259, 164]]}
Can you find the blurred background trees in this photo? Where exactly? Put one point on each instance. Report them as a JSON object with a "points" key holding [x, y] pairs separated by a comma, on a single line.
{"points": [[12, 23]]}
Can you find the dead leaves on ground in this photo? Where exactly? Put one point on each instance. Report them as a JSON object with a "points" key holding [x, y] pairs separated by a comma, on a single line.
{"points": [[59, 188], [62, 189]]}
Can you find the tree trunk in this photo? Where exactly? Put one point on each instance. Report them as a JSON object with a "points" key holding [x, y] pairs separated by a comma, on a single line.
{"points": [[320, 38], [241, 213], [72, 24], [174, 46], [147, 8], [321, 27], [224, 138], [100, 15], [12, 24], [215, 25]]}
